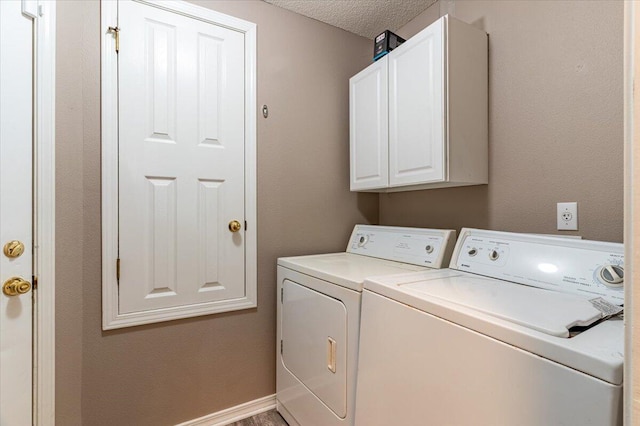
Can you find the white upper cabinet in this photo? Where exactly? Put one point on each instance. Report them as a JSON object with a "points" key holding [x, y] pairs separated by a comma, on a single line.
{"points": [[429, 127]]}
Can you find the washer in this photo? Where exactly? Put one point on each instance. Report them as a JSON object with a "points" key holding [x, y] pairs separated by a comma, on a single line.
{"points": [[318, 316], [521, 330]]}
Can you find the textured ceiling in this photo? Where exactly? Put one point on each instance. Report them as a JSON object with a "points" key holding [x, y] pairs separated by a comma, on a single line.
{"points": [[367, 18]]}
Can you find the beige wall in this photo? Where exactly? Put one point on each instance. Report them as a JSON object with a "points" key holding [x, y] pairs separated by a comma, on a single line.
{"points": [[555, 121], [171, 372]]}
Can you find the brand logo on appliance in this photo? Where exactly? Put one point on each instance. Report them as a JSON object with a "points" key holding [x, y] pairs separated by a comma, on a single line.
{"points": [[380, 38], [465, 266]]}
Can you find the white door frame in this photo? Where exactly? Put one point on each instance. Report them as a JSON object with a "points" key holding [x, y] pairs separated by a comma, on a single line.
{"points": [[44, 211], [111, 316], [631, 209]]}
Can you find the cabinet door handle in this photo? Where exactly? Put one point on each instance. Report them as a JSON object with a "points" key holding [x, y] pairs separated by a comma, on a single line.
{"points": [[331, 355]]}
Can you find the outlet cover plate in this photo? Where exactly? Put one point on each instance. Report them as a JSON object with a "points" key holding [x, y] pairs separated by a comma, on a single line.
{"points": [[567, 216]]}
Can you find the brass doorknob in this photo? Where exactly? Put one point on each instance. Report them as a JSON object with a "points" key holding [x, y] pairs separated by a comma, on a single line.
{"points": [[13, 249], [15, 286], [234, 226]]}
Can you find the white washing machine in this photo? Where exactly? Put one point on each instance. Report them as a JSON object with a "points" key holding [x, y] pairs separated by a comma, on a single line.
{"points": [[318, 316], [521, 330]]}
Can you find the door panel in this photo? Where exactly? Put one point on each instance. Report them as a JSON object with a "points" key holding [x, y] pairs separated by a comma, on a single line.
{"points": [[313, 326], [369, 136], [181, 156], [16, 146], [416, 110]]}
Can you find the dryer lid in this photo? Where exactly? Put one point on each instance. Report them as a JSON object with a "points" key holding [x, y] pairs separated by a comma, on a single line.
{"points": [[378, 250], [345, 269]]}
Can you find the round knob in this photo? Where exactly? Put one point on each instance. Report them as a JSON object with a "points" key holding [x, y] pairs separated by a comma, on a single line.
{"points": [[472, 252], [234, 226], [13, 249], [494, 255], [429, 248], [612, 275], [15, 286]]}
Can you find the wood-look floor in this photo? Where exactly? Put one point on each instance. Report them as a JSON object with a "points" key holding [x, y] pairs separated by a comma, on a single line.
{"points": [[268, 418]]}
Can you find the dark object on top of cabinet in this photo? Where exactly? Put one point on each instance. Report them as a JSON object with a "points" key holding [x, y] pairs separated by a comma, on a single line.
{"points": [[385, 43]]}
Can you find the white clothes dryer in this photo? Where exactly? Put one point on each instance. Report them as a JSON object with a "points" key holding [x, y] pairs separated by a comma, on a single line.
{"points": [[521, 330], [318, 316]]}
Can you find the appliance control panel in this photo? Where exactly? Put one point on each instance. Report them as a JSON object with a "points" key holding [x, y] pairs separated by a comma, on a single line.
{"points": [[589, 268], [417, 246]]}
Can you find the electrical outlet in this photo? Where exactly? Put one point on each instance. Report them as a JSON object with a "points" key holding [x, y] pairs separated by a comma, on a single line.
{"points": [[567, 216]]}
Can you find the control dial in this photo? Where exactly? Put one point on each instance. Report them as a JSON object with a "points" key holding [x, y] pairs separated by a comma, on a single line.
{"points": [[612, 275], [429, 248], [472, 252], [363, 240], [494, 255]]}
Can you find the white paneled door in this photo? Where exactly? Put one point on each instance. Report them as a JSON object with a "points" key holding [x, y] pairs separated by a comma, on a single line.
{"points": [[181, 160], [16, 147]]}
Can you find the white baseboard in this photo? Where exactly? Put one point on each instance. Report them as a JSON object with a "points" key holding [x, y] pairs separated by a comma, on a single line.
{"points": [[234, 414]]}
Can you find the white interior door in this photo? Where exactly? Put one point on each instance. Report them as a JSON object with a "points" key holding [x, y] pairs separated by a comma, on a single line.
{"points": [[16, 145], [181, 160]]}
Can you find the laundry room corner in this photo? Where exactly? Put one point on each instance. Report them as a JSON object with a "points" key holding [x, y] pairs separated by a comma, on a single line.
{"points": [[555, 134]]}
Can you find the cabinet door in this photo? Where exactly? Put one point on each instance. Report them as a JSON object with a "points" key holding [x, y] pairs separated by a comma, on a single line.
{"points": [[416, 109], [369, 135]]}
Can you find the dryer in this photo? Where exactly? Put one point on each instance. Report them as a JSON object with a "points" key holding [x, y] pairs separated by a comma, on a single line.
{"points": [[318, 316], [521, 330]]}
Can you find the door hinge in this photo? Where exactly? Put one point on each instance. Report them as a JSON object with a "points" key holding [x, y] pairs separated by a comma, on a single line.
{"points": [[118, 270], [282, 295], [245, 226], [34, 282], [116, 33], [281, 347]]}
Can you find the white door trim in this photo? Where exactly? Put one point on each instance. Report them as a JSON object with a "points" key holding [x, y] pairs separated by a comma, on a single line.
{"points": [[111, 317], [631, 380], [44, 214]]}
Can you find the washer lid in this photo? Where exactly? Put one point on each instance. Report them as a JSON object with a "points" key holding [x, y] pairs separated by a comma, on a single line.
{"points": [[546, 311], [345, 269]]}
